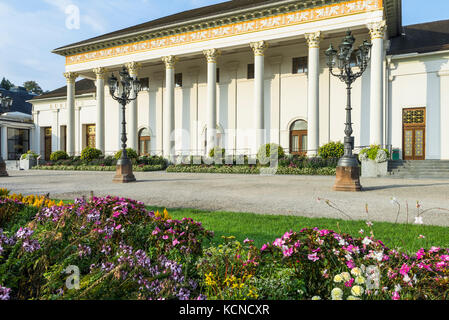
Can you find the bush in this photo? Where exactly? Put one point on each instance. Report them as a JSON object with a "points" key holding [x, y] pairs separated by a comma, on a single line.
{"points": [[132, 154], [332, 150], [221, 152], [267, 151], [89, 154], [375, 153], [59, 155], [30, 155]]}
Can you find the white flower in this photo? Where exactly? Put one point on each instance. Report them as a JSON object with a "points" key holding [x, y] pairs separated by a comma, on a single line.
{"points": [[337, 294], [378, 256], [316, 298], [342, 242], [381, 156], [367, 241], [419, 220], [363, 155], [407, 278], [397, 288]]}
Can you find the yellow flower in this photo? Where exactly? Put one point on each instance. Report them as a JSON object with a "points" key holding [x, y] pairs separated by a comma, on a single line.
{"points": [[353, 298], [356, 272], [359, 280], [338, 278], [316, 298], [346, 276], [357, 291], [337, 294]]}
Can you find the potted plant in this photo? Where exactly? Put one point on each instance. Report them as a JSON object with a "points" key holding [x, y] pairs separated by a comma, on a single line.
{"points": [[28, 160], [374, 162]]}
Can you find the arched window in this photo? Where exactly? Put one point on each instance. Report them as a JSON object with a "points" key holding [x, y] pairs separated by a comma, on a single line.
{"points": [[144, 142], [298, 138]]}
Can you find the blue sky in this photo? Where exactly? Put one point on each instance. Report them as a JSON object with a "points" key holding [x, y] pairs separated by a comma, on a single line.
{"points": [[31, 29]]}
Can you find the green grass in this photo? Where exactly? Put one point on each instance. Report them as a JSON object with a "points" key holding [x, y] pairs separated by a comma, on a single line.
{"points": [[266, 228]]}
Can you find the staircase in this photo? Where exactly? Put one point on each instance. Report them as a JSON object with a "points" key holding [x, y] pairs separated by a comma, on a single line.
{"points": [[426, 169]]}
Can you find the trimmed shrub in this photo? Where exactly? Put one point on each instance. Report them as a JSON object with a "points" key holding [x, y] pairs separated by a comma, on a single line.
{"points": [[267, 150], [217, 150], [89, 154], [332, 150], [30, 155], [375, 153], [59, 155], [132, 154]]}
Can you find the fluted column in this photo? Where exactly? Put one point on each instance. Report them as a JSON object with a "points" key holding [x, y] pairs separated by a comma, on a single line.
{"points": [[133, 134], [71, 78], [100, 124], [377, 31], [259, 49], [313, 97], [169, 105], [211, 56]]}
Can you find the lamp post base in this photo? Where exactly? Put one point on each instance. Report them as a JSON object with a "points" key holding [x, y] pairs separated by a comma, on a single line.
{"points": [[348, 179], [3, 172], [124, 173]]}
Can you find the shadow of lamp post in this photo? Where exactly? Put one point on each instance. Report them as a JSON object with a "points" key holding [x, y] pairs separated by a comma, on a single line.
{"points": [[129, 88], [348, 170], [5, 104]]}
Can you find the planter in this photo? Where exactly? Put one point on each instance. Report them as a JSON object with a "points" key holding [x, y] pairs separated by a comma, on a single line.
{"points": [[27, 164], [372, 169]]}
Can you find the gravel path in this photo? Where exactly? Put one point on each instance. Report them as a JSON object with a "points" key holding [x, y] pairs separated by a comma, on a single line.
{"points": [[286, 195]]}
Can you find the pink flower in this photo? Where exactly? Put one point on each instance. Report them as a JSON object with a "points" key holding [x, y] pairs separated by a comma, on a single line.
{"points": [[175, 242], [350, 264], [165, 237], [278, 242], [288, 252], [118, 227], [264, 247], [349, 283], [396, 296], [404, 269], [287, 235], [434, 249], [313, 257]]}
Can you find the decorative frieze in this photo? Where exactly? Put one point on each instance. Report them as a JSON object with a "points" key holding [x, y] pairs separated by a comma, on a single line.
{"points": [[170, 61], [313, 39], [212, 55], [259, 47], [377, 29]]}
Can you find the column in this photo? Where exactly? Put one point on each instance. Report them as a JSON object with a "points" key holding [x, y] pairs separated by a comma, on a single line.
{"points": [[169, 105], [377, 31], [4, 142], [313, 93], [211, 56], [71, 77], [37, 133], [133, 133], [259, 80], [79, 141], [100, 123], [55, 131]]}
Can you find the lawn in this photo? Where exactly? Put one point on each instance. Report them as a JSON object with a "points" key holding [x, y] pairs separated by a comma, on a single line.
{"points": [[266, 228]]}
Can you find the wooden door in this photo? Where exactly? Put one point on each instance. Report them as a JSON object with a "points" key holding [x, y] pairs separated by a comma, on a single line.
{"points": [[414, 134], [48, 134], [144, 146], [91, 136], [298, 142]]}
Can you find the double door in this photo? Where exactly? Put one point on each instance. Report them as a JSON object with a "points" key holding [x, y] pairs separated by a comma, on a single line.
{"points": [[414, 134]]}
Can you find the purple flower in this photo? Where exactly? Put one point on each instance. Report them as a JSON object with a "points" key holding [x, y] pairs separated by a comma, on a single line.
{"points": [[5, 293]]}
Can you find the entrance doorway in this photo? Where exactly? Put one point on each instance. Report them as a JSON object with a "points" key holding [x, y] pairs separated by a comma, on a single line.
{"points": [[90, 136], [298, 138], [414, 133], [48, 134]]}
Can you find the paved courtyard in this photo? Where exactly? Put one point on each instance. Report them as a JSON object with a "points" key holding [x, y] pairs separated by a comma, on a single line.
{"points": [[286, 195]]}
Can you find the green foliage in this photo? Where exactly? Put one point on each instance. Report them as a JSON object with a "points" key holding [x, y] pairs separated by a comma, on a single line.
{"points": [[267, 151], [59, 155], [33, 87], [83, 167], [90, 154], [6, 84], [132, 154], [332, 150], [372, 152], [30, 155], [221, 152]]}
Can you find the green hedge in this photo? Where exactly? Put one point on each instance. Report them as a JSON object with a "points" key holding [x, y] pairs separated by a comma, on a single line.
{"points": [[249, 170], [98, 168]]}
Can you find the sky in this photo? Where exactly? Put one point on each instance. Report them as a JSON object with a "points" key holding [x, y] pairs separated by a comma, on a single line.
{"points": [[31, 29]]}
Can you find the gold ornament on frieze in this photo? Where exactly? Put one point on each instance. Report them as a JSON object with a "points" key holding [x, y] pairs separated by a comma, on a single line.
{"points": [[100, 73], [313, 39], [133, 68], [71, 77], [377, 30], [259, 47]]}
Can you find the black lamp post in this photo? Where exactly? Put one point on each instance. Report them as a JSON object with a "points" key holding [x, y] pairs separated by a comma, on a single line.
{"points": [[130, 88], [348, 171], [5, 104]]}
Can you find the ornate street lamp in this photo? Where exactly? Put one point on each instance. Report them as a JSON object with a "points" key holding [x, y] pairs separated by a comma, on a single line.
{"points": [[348, 170], [130, 88], [5, 104]]}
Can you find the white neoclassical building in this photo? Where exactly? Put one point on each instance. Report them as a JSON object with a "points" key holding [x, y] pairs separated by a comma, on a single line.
{"points": [[246, 72]]}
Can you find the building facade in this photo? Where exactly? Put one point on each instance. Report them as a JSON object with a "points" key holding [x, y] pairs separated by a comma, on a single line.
{"points": [[243, 73]]}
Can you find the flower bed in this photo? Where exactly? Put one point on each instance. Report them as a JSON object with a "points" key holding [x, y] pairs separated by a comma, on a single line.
{"points": [[136, 168], [124, 251], [244, 169]]}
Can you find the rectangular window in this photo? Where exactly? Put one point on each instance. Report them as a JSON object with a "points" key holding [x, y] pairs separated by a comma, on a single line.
{"points": [[178, 80], [145, 83], [218, 75], [251, 73], [300, 65], [18, 143]]}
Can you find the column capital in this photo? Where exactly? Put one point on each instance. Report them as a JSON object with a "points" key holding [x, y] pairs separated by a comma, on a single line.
{"points": [[100, 73], [313, 39], [377, 29], [170, 61], [212, 55], [259, 47], [133, 68], [71, 77]]}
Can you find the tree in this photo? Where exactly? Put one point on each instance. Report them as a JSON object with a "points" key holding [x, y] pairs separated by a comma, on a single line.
{"points": [[6, 84], [32, 86]]}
